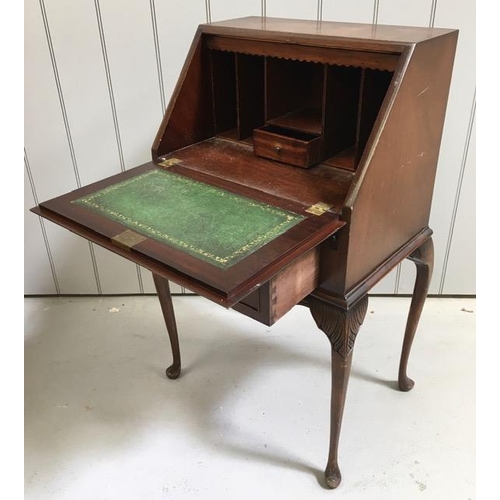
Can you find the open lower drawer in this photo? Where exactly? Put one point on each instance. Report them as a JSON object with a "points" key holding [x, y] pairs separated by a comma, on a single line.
{"points": [[216, 238]]}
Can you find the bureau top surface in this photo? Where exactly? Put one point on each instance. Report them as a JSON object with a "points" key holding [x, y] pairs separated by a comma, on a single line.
{"points": [[277, 27]]}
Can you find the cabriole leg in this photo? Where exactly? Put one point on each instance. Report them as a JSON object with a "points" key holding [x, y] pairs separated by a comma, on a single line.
{"points": [[424, 260], [341, 326], [163, 290]]}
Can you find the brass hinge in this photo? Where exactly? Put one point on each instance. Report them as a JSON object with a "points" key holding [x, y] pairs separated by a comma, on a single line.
{"points": [[169, 162], [318, 208], [127, 239]]}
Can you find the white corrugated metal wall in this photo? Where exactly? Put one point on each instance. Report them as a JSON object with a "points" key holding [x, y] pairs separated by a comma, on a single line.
{"points": [[99, 73]]}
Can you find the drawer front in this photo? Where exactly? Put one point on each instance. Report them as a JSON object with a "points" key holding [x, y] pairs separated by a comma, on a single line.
{"points": [[303, 150], [256, 305]]}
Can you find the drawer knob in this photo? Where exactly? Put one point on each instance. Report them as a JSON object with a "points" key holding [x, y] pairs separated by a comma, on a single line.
{"points": [[277, 148]]}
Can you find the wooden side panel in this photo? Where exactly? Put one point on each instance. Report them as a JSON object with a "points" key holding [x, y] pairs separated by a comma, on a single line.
{"points": [[294, 283], [391, 197], [189, 116]]}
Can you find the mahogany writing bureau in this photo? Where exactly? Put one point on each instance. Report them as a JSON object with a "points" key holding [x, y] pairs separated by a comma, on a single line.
{"points": [[295, 164]]}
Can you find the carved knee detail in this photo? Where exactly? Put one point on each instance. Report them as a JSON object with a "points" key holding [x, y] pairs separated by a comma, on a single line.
{"points": [[340, 325]]}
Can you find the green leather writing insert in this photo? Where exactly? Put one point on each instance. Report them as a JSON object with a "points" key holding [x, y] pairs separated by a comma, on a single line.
{"points": [[210, 223]]}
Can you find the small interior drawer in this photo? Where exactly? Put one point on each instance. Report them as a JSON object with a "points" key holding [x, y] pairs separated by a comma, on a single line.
{"points": [[276, 297], [288, 146]]}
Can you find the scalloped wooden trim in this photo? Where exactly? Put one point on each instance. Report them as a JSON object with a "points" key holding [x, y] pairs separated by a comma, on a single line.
{"points": [[306, 53]]}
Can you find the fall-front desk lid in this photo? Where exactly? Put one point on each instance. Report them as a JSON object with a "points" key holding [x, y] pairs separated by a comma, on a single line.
{"points": [[214, 237]]}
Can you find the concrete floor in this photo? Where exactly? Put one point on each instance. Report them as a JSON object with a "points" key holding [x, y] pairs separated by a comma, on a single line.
{"points": [[249, 416]]}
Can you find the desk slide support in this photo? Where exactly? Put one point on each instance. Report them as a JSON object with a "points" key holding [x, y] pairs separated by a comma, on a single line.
{"points": [[165, 298], [423, 257], [341, 327]]}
